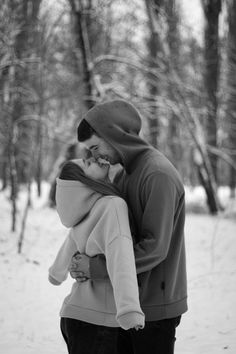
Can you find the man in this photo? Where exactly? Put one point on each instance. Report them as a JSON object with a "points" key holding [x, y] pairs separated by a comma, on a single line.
{"points": [[154, 192]]}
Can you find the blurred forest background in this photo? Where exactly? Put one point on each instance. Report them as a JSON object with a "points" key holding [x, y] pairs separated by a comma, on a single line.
{"points": [[59, 58]]}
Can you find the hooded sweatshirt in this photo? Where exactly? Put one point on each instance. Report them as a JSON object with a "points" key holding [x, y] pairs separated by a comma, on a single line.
{"points": [[155, 194], [102, 227]]}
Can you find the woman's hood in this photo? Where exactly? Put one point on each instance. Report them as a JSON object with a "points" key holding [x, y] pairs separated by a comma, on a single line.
{"points": [[74, 200], [118, 122]]}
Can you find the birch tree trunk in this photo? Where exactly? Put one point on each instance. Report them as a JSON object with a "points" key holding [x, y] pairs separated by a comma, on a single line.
{"points": [[81, 15]]}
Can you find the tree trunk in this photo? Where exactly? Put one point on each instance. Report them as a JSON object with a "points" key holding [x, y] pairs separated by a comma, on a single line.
{"points": [[25, 47], [18, 81], [13, 176], [81, 15], [39, 128], [36, 41], [5, 88], [212, 9], [191, 122], [38, 174], [24, 219], [154, 49], [231, 95], [173, 39], [207, 180]]}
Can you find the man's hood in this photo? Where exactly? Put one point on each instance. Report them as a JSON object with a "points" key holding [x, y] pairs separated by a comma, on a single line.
{"points": [[74, 201], [118, 122]]}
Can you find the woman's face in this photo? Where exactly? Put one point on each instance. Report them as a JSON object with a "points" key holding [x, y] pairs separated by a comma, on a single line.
{"points": [[96, 169]]}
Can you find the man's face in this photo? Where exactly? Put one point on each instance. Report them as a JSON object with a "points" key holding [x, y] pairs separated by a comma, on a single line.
{"points": [[100, 148]]}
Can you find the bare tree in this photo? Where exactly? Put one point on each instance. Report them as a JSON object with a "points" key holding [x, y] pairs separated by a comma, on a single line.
{"points": [[20, 22], [212, 9], [174, 48], [231, 94], [154, 12], [81, 12]]}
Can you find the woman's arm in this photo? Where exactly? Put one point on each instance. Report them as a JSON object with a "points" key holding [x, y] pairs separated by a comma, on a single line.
{"points": [[121, 265], [59, 270]]}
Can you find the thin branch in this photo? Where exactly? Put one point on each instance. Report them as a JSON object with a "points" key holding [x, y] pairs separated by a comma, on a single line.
{"points": [[223, 155], [18, 62], [127, 61]]}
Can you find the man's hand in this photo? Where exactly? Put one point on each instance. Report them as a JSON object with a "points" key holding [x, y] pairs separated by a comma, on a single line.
{"points": [[79, 267]]}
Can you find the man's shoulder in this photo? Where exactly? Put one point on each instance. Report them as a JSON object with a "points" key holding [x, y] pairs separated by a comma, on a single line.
{"points": [[157, 163], [157, 167]]}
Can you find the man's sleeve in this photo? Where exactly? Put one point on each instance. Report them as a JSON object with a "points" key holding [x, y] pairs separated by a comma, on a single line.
{"points": [[159, 198], [97, 267]]}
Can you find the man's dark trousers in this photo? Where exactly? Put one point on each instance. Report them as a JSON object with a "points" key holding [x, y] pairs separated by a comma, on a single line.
{"points": [[157, 337]]}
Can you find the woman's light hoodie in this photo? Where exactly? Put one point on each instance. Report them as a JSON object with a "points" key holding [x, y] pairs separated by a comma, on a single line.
{"points": [[99, 225]]}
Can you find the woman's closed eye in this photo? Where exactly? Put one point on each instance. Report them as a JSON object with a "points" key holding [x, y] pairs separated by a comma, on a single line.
{"points": [[90, 161]]}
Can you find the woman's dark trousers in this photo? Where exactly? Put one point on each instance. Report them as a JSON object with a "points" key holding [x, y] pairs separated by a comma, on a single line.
{"points": [[85, 338]]}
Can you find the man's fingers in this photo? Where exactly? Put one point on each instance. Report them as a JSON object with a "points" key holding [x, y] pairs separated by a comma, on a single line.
{"points": [[81, 280], [75, 274], [72, 267], [77, 257], [74, 263], [79, 267]]}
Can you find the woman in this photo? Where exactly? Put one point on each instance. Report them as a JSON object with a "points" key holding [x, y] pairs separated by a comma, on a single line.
{"points": [[89, 204]]}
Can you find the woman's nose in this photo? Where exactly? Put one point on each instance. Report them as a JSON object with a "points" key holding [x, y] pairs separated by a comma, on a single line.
{"points": [[87, 154], [92, 159], [95, 155]]}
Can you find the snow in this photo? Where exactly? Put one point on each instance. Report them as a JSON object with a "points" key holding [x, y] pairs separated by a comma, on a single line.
{"points": [[29, 304]]}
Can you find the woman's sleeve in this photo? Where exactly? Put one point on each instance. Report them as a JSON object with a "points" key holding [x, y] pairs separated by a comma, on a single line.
{"points": [[58, 272], [121, 267]]}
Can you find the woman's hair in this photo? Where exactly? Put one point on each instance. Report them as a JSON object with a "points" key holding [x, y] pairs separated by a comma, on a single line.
{"points": [[71, 171]]}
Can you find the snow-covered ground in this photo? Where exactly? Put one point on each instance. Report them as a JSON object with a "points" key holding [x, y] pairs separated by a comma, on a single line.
{"points": [[29, 305]]}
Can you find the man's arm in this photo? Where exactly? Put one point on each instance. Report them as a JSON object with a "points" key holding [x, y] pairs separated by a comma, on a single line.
{"points": [[83, 267], [159, 197]]}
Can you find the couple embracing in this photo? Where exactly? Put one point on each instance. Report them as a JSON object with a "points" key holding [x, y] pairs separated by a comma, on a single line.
{"points": [[126, 246]]}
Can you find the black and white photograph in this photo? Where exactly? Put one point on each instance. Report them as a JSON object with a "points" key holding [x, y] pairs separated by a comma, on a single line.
{"points": [[118, 176]]}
